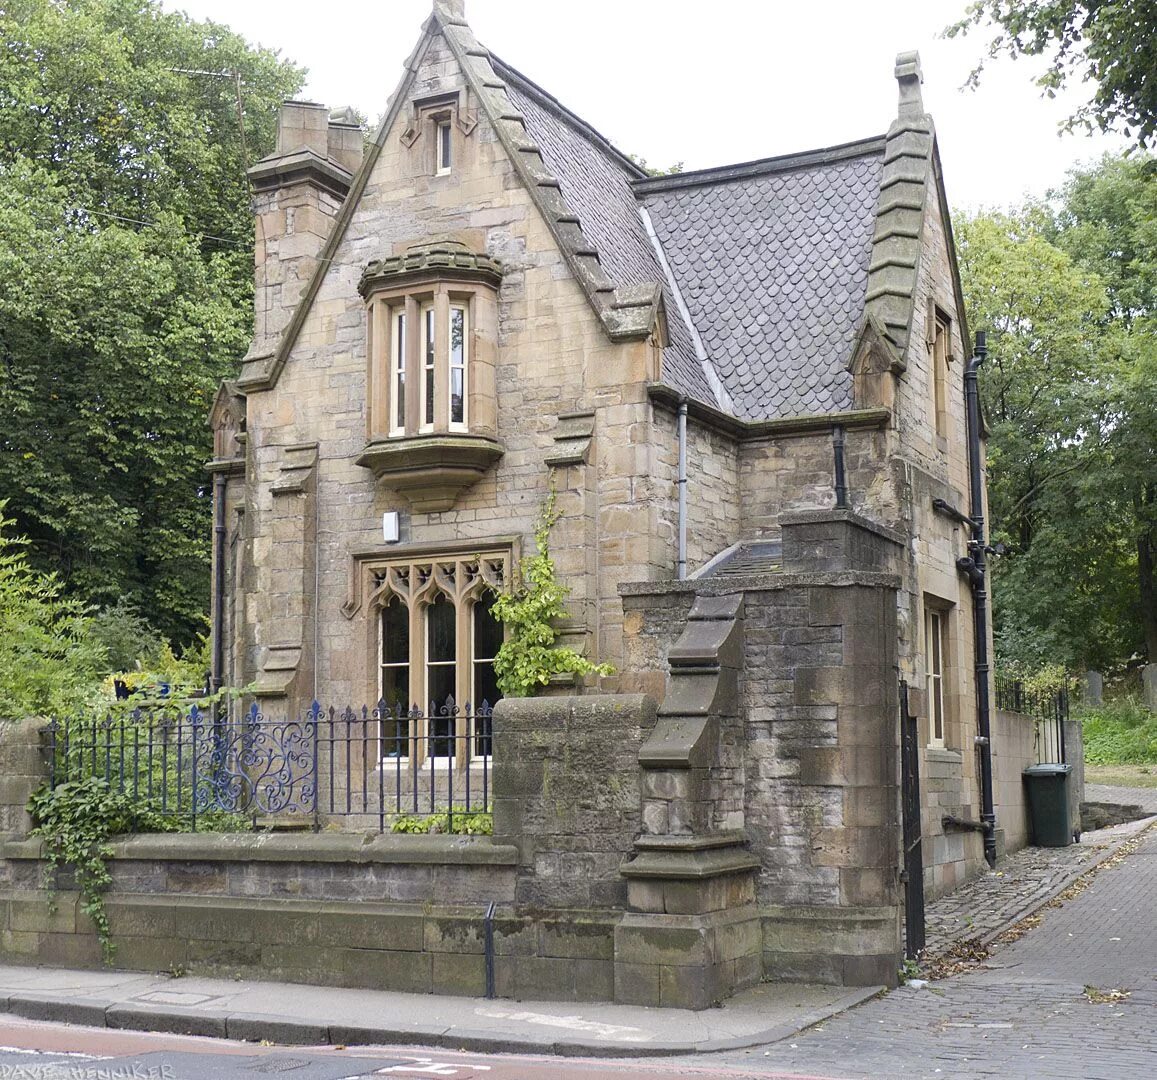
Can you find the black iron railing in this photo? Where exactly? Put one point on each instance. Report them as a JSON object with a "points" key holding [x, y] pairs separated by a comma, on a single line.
{"points": [[196, 768], [1049, 708]]}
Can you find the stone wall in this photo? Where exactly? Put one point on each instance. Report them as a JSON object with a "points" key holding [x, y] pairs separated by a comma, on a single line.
{"points": [[23, 766], [400, 912], [795, 473], [1013, 750], [714, 499], [395, 913], [566, 794]]}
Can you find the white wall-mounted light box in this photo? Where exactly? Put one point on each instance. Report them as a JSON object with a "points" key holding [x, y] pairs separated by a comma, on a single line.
{"points": [[390, 526]]}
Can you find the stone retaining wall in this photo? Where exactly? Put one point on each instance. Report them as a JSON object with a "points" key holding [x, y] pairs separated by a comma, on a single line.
{"points": [[390, 913]]}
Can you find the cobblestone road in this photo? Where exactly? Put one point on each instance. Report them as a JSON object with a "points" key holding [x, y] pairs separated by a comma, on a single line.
{"points": [[988, 902], [1026, 1013]]}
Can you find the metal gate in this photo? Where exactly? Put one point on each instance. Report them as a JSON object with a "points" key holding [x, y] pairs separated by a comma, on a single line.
{"points": [[913, 874]]}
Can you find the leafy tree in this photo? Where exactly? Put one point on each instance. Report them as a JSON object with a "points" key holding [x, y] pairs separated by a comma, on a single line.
{"points": [[1107, 222], [1070, 391], [1111, 42], [49, 662], [125, 285]]}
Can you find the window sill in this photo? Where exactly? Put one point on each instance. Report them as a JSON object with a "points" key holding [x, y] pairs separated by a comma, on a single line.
{"points": [[940, 753], [431, 470]]}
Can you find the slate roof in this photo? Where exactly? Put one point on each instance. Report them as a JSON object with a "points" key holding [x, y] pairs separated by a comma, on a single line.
{"points": [[772, 262], [595, 181], [769, 258]]}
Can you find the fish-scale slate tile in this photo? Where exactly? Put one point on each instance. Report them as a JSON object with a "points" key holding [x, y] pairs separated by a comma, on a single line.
{"points": [[597, 187], [774, 270]]}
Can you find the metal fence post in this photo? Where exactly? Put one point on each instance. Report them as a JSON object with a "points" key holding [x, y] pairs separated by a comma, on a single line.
{"points": [[312, 721], [195, 726], [914, 938]]}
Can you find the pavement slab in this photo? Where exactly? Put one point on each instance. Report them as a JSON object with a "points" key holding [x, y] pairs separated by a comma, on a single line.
{"points": [[293, 1014]]}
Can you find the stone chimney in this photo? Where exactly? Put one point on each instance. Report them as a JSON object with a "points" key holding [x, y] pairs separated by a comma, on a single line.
{"points": [[297, 192]]}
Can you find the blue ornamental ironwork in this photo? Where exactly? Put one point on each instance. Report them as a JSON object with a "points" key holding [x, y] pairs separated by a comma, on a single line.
{"points": [[373, 764]]}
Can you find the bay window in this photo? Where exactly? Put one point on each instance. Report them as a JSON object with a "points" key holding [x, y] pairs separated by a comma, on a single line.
{"points": [[431, 410]]}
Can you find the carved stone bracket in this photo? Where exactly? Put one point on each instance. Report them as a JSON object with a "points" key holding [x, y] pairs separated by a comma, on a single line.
{"points": [[572, 439]]}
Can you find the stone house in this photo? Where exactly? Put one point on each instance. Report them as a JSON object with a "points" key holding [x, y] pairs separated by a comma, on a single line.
{"points": [[745, 385]]}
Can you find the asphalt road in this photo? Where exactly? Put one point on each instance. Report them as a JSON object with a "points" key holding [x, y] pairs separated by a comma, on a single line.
{"points": [[41, 1051]]}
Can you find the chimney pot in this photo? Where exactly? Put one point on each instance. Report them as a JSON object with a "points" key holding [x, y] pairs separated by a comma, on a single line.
{"points": [[345, 144], [303, 123]]}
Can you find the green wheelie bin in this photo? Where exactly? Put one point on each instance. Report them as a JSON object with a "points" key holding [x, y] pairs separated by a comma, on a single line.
{"points": [[1049, 791]]}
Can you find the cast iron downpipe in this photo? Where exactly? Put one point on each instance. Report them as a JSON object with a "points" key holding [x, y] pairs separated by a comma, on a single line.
{"points": [[840, 469], [217, 673], [973, 565], [682, 489]]}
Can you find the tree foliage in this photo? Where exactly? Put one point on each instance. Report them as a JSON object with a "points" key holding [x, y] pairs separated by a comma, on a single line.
{"points": [[125, 285], [1070, 391], [50, 663], [1113, 43]]}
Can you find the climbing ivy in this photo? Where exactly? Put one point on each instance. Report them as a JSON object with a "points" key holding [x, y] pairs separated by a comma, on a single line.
{"points": [[529, 656], [76, 821]]}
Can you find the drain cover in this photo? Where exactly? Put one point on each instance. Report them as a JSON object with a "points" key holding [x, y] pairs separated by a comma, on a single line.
{"points": [[280, 1065]]}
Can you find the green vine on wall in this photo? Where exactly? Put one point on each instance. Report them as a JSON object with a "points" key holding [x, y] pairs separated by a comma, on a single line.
{"points": [[76, 820], [529, 656]]}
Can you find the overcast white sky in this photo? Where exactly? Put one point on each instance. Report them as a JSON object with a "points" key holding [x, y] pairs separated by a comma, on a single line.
{"points": [[708, 82]]}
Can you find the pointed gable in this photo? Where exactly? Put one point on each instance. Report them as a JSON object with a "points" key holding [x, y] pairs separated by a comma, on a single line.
{"points": [[761, 273], [595, 180]]}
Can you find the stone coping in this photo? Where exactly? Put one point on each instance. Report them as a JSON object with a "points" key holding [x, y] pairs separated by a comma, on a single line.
{"points": [[822, 517], [760, 583], [313, 847], [814, 913]]}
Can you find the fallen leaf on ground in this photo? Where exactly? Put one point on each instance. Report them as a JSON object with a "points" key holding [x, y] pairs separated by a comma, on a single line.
{"points": [[1105, 997]]}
